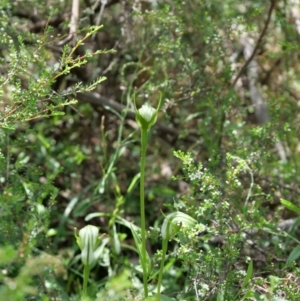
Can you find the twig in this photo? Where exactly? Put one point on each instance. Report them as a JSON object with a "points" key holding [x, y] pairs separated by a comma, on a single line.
{"points": [[98, 20], [257, 44], [73, 23], [295, 14]]}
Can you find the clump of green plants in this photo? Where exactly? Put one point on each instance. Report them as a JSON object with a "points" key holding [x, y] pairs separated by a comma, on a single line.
{"points": [[146, 117], [216, 215], [28, 193], [211, 236]]}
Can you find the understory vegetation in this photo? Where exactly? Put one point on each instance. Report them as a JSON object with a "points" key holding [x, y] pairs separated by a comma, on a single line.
{"points": [[149, 150]]}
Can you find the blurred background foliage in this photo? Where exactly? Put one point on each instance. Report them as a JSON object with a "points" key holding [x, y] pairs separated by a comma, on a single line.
{"points": [[228, 72]]}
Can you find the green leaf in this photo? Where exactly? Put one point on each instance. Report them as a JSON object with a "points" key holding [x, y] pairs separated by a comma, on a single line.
{"points": [[137, 239], [295, 254], [7, 253], [133, 182], [249, 274], [289, 205], [138, 244], [249, 294], [96, 214], [246, 280], [116, 241], [166, 298]]}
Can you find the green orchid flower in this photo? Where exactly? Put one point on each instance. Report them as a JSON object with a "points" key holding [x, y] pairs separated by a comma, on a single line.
{"points": [[146, 116], [88, 242], [173, 222]]}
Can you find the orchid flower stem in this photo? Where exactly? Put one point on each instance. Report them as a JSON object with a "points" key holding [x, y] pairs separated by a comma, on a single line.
{"points": [[162, 263], [145, 117], [86, 274], [144, 136]]}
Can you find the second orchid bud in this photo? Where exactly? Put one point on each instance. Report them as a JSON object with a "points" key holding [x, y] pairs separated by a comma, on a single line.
{"points": [[88, 242]]}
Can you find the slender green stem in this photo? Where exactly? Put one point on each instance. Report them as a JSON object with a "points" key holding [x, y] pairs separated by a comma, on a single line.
{"points": [[142, 208], [86, 274], [162, 263]]}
